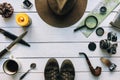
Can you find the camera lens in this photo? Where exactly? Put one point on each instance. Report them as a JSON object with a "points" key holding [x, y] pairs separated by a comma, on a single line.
{"points": [[112, 49], [92, 46], [103, 10], [104, 44], [112, 36]]}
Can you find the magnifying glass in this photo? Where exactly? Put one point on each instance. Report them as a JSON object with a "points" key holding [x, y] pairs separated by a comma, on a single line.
{"points": [[91, 22]]}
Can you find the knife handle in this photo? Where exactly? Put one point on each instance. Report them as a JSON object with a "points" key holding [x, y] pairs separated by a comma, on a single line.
{"points": [[13, 37], [3, 52]]}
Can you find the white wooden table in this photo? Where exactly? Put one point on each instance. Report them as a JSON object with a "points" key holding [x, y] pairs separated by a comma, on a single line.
{"points": [[61, 43]]}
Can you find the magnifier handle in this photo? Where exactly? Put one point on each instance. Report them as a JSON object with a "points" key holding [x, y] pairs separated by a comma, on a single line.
{"points": [[78, 28]]}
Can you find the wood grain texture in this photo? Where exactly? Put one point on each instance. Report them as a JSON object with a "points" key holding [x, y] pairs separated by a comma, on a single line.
{"points": [[60, 43]]}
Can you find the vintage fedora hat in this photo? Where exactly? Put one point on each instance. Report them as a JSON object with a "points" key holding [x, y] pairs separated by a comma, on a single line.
{"points": [[61, 13]]}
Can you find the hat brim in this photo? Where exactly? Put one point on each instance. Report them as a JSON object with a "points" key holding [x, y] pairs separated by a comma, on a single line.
{"points": [[60, 21]]}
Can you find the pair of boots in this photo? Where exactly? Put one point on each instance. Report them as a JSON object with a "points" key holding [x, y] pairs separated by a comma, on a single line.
{"points": [[52, 72]]}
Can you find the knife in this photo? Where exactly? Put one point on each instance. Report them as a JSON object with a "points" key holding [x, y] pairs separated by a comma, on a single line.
{"points": [[13, 37], [12, 44]]}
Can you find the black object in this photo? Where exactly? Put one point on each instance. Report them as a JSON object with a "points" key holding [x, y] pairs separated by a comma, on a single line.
{"points": [[112, 36], [100, 31], [103, 10], [12, 44], [112, 49], [108, 46], [92, 46], [105, 44], [32, 66], [67, 71], [97, 71], [13, 37], [91, 22], [51, 71], [27, 4], [11, 65], [112, 66]]}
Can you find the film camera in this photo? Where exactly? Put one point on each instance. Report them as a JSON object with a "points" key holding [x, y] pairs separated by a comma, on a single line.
{"points": [[109, 44]]}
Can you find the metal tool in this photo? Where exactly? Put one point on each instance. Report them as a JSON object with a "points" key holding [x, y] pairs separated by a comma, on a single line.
{"points": [[13, 37], [32, 66], [91, 22], [12, 44]]}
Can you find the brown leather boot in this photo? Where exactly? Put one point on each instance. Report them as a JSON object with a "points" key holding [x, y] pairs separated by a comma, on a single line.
{"points": [[67, 71], [51, 71]]}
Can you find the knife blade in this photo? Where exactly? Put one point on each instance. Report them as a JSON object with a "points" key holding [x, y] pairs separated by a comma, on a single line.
{"points": [[4, 51], [13, 37]]}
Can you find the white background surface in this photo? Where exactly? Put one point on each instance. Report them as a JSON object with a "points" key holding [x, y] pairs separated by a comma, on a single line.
{"points": [[61, 43]]}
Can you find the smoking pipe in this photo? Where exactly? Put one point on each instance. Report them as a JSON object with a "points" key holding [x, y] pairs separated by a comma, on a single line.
{"points": [[96, 71]]}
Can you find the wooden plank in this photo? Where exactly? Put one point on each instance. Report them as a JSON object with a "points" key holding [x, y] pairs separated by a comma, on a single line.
{"points": [[56, 50], [94, 3], [50, 35], [80, 64], [79, 76], [47, 42], [37, 22], [18, 5]]}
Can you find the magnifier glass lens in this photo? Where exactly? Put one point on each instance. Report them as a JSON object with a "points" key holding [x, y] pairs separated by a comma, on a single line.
{"points": [[91, 22]]}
